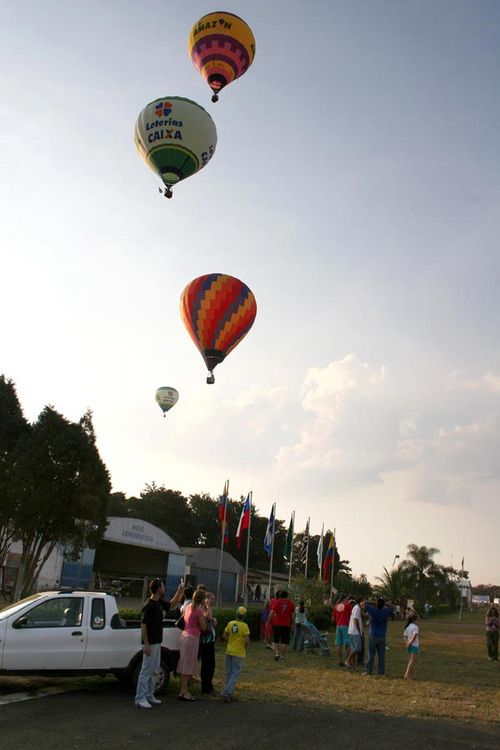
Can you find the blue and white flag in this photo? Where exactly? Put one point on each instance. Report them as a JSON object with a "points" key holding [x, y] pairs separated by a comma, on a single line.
{"points": [[268, 539]]}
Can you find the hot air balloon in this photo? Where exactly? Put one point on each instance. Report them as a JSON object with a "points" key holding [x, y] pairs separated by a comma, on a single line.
{"points": [[176, 138], [166, 397], [218, 311], [222, 48]]}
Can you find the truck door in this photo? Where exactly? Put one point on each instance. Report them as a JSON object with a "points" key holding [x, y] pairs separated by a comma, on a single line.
{"points": [[50, 635]]}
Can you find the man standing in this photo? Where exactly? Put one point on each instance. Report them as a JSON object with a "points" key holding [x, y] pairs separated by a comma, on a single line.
{"points": [[341, 615], [152, 636], [355, 632], [379, 616], [281, 617], [237, 637]]}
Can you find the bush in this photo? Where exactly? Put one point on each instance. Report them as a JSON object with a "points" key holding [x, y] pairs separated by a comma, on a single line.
{"points": [[320, 616]]}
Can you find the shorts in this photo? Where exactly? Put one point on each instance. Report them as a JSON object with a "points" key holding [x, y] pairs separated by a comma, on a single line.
{"points": [[413, 649], [281, 634], [355, 640], [342, 636]]}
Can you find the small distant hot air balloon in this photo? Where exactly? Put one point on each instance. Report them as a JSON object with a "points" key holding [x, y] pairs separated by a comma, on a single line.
{"points": [[218, 311], [176, 138], [222, 48], [166, 397]]}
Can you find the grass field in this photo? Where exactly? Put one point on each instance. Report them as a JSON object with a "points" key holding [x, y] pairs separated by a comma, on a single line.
{"points": [[453, 677]]}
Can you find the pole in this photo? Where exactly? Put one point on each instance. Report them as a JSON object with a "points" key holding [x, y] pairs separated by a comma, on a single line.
{"points": [[460, 615], [320, 562], [307, 548], [226, 494], [333, 563], [245, 595], [291, 551], [272, 554]]}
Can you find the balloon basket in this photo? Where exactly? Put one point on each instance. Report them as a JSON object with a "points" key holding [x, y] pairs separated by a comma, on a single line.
{"points": [[210, 379], [215, 98]]}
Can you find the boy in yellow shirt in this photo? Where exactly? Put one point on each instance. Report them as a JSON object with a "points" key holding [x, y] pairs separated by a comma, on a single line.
{"points": [[237, 637]]}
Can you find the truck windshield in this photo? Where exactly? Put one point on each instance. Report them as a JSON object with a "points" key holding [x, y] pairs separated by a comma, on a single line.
{"points": [[8, 611]]}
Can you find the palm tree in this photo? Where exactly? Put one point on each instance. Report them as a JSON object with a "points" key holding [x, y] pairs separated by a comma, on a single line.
{"points": [[393, 584], [421, 570]]}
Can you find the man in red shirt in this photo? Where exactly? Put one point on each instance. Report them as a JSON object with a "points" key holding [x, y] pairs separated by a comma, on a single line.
{"points": [[281, 617], [341, 615]]}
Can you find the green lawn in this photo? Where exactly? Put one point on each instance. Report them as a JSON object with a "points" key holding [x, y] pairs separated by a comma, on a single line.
{"points": [[453, 677]]}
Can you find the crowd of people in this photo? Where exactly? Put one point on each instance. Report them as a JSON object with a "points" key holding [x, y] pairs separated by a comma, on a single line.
{"points": [[282, 623]]}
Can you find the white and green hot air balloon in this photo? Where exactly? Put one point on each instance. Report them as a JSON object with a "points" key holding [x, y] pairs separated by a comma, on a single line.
{"points": [[166, 397], [176, 138]]}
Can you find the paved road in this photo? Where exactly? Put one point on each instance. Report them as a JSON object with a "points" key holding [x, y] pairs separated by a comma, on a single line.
{"points": [[107, 719]]}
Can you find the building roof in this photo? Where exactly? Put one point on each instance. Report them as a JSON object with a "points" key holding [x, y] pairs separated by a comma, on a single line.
{"points": [[140, 534], [208, 559]]}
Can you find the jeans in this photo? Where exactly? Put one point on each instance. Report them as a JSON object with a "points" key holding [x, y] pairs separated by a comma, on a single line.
{"points": [[146, 681], [234, 665], [207, 656], [492, 644], [376, 644], [298, 637]]}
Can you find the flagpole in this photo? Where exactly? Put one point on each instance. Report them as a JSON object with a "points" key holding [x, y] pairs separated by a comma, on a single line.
{"points": [[223, 530], [320, 562], [291, 551], [307, 548], [272, 553], [460, 615], [333, 563], [245, 595]]}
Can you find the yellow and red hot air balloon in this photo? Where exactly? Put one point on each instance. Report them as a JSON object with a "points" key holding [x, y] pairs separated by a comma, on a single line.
{"points": [[218, 311], [222, 48]]}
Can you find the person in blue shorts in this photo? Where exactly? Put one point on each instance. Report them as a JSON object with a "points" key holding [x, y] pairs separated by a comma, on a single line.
{"points": [[412, 644], [341, 615]]}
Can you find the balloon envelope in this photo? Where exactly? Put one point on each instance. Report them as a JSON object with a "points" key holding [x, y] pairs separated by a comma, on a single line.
{"points": [[166, 397], [222, 48], [218, 311], [175, 137]]}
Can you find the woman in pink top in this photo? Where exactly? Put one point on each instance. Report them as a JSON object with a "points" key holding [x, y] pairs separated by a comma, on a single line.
{"points": [[195, 624]]}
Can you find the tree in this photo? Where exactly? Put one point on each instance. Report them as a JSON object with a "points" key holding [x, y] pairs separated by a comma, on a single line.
{"points": [[420, 569], [394, 583], [58, 476], [13, 426]]}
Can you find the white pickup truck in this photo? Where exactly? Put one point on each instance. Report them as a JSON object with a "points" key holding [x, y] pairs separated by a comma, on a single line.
{"points": [[76, 633]]}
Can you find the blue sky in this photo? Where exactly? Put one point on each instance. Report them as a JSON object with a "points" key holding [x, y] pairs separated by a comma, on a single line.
{"points": [[355, 189]]}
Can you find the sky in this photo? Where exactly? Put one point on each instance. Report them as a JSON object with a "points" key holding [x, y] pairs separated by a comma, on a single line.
{"points": [[355, 189]]}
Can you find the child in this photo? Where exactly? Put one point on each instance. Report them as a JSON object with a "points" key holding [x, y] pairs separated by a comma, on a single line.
{"points": [[237, 637], [411, 639]]}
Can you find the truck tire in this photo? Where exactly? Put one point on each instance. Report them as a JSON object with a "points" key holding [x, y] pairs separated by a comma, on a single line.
{"points": [[162, 677]]}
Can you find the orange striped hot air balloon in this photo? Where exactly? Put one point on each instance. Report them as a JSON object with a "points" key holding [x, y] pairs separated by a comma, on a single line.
{"points": [[218, 311]]}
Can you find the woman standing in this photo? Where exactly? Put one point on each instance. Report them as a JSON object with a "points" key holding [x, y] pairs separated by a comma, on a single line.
{"points": [[412, 644], [492, 622], [299, 630], [195, 625]]}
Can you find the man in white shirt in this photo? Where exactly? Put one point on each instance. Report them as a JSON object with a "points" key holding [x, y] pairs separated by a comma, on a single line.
{"points": [[355, 632]]}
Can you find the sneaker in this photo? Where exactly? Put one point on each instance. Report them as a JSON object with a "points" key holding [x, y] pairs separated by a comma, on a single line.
{"points": [[143, 704], [226, 698], [154, 701], [276, 657]]}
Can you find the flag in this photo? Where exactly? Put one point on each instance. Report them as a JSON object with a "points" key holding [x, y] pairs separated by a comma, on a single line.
{"points": [[289, 540], [244, 520], [463, 560], [328, 559], [305, 545], [320, 550], [223, 501], [268, 539], [226, 532]]}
